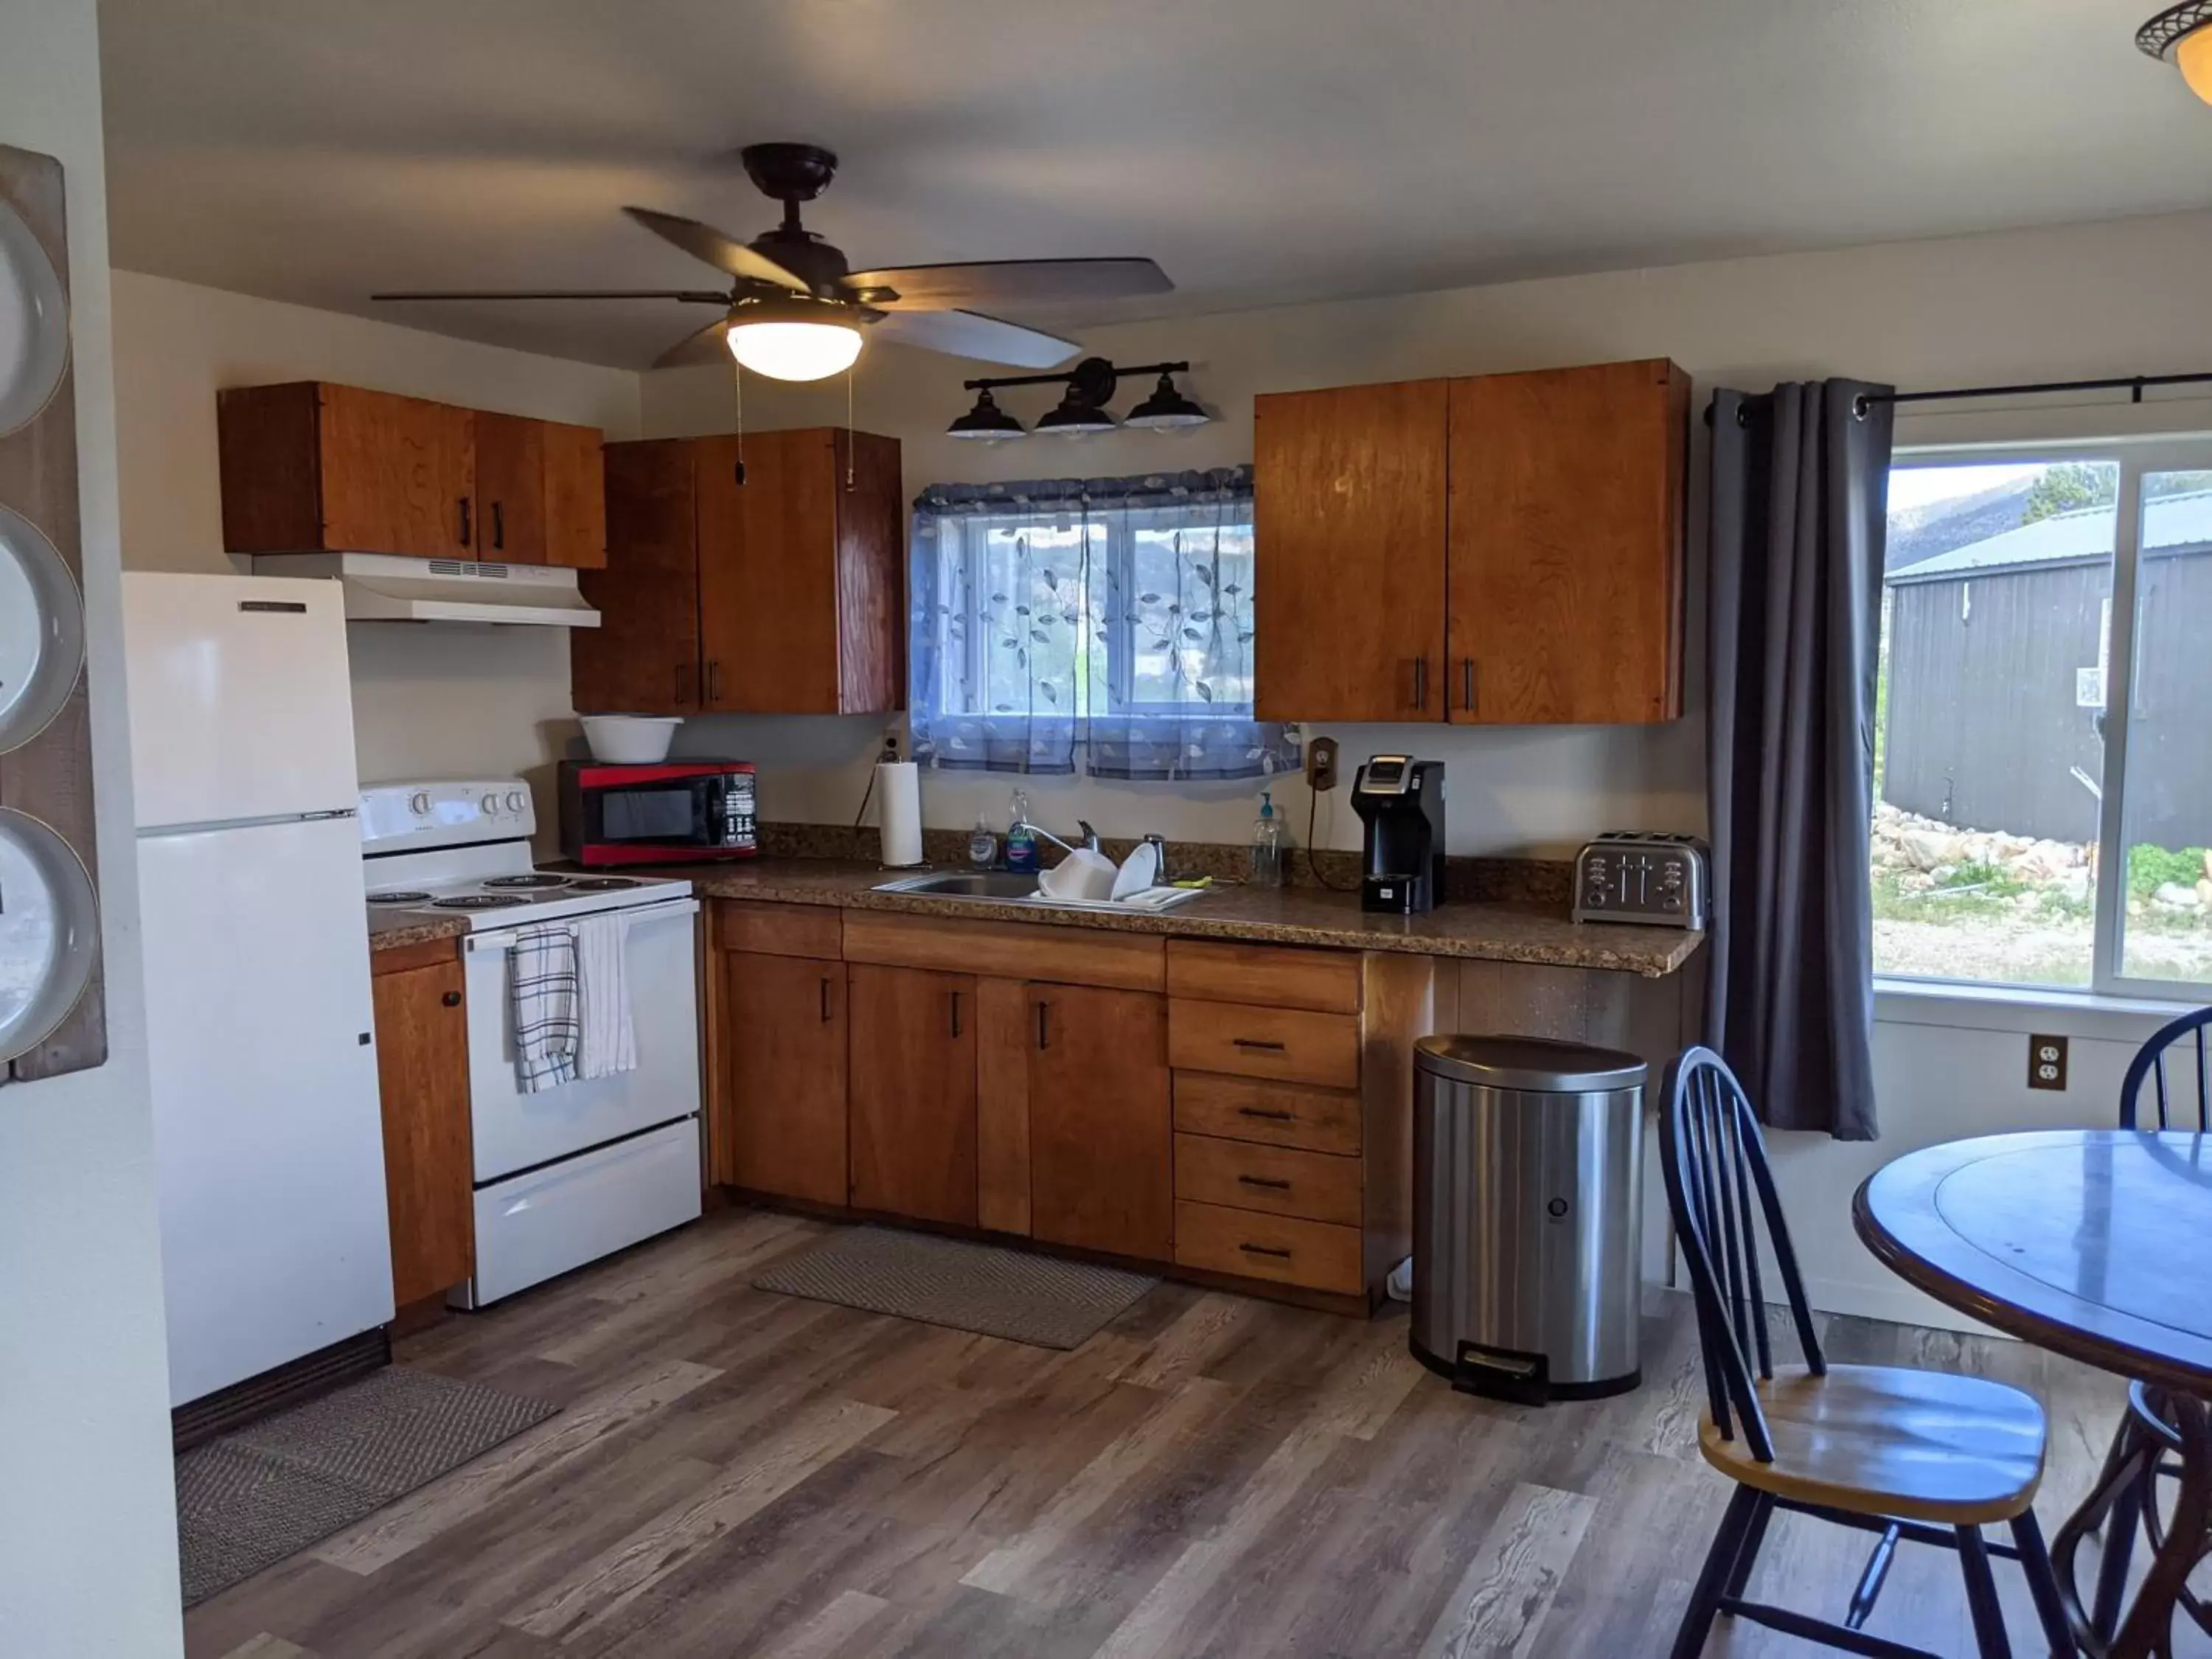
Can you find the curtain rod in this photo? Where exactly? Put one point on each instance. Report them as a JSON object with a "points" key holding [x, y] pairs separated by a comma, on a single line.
{"points": [[2132, 384]]}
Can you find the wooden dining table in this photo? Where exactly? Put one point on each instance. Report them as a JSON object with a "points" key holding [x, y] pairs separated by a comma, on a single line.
{"points": [[2096, 1244]]}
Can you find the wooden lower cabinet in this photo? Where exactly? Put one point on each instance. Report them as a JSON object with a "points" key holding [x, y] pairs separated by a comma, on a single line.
{"points": [[912, 1096], [784, 1046], [1102, 1166], [420, 999]]}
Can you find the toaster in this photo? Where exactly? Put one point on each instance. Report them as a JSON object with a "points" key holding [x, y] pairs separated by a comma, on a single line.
{"points": [[1660, 880]]}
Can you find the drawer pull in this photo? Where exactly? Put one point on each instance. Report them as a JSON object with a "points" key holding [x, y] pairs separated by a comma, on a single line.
{"points": [[1267, 1182], [1264, 1249], [1270, 1046], [1269, 1113]]}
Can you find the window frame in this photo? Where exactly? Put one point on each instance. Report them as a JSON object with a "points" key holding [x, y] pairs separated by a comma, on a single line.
{"points": [[2134, 457]]}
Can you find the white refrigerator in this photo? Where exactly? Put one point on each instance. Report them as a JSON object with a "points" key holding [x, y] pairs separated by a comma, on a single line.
{"points": [[268, 1137]]}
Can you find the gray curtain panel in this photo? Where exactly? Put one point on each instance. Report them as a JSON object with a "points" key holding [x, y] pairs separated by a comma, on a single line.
{"points": [[1794, 619]]}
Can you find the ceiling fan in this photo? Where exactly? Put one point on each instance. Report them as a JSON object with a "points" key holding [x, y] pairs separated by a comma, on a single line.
{"points": [[794, 309]]}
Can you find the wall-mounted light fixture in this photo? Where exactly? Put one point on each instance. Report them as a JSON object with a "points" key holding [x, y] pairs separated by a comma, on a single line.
{"points": [[1090, 384]]}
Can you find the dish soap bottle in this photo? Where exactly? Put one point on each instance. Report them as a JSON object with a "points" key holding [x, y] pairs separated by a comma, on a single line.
{"points": [[1267, 844], [1021, 843], [983, 843]]}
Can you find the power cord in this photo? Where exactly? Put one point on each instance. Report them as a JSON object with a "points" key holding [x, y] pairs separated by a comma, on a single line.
{"points": [[1313, 864]]}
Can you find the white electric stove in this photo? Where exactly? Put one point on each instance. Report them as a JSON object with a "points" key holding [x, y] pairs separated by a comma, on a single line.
{"points": [[574, 1173]]}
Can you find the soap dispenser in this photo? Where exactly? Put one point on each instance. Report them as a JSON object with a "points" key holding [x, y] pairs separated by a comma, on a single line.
{"points": [[1021, 840], [1266, 868]]}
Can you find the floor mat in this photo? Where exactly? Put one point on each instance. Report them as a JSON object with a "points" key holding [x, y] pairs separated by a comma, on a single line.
{"points": [[1029, 1299], [247, 1500]]}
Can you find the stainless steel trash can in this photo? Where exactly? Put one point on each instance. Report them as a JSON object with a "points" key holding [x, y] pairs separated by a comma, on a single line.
{"points": [[1528, 1216]]}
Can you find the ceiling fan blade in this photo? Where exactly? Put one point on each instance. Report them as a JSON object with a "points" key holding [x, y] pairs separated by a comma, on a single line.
{"points": [[705, 242], [971, 334], [1010, 282], [706, 346], [691, 295]]}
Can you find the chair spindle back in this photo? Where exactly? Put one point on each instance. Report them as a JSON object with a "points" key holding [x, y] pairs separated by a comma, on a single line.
{"points": [[2149, 1063]]}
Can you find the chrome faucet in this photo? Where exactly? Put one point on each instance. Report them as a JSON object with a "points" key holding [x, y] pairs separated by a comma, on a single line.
{"points": [[1090, 836]]}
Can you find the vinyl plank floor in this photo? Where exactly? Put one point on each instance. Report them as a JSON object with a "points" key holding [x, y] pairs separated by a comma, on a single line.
{"points": [[739, 1475]]}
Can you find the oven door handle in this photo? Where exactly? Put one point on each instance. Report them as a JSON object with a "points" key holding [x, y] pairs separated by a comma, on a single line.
{"points": [[506, 939]]}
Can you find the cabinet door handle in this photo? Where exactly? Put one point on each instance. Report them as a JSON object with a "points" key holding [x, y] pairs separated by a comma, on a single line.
{"points": [[826, 1015], [714, 682], [1266, 1043], [451, 998], [1272, 1115], [680, 677], [1421, 682], [956, 1013], [467, 525], [1467, 682], [1268, 1181], [1265, 1250], [498, 525], [1044, 1026]]}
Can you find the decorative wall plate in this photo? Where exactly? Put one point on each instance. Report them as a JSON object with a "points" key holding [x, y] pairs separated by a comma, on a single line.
{"points": [[41, 631], [49, 931], [35, 331]]}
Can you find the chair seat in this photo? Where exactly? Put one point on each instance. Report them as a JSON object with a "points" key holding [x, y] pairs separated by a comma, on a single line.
{"points": [[1880, 1440]]}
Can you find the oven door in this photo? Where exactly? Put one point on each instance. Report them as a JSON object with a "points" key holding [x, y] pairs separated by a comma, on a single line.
{"points": [[516, 1131]]}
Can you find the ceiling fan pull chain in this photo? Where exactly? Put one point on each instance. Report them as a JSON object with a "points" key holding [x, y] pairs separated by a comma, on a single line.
{"points": [[848, 428], [738, 384]]}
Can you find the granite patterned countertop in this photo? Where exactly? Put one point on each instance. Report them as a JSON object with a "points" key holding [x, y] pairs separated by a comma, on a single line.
{"points": [[389, 929], [1497, 932]]}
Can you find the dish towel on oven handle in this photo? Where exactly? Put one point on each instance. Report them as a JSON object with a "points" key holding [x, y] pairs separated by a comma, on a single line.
{"points": [[608, 1043], [544, 996]]}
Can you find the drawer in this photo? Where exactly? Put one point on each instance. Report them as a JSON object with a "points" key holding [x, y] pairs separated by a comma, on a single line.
{"points": [[1314, 1254], [780, 929], [1279, 1114], [1279, 1179], [1291, 1045], [1326, 981]]}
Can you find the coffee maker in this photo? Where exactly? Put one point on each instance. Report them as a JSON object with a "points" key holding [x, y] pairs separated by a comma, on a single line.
{"points": [[1402, 802]]}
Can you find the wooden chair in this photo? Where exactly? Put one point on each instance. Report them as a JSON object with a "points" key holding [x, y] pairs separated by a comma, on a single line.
{"points": [[1907, 1454], [2150, 1438]]}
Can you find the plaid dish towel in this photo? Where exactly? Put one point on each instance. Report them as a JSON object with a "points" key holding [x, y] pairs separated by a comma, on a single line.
{"points": [[544, 999]]}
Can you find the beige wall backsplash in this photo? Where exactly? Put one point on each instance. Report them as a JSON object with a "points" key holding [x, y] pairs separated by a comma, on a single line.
{"points": [[429, 700], [1961, 311]]}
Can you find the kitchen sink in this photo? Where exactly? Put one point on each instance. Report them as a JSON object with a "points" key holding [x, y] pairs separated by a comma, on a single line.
{"points": [[1018, 887]]}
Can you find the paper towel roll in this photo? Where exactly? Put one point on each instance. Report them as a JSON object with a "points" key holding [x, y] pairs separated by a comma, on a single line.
{"points": [[898, 799]]}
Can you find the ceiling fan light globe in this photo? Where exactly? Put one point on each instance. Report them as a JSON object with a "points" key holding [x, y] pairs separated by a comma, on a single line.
{"points": [[794, 351], [2192, 55]]}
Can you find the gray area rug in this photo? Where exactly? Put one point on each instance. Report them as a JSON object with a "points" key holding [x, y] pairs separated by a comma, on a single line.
{"points": [[970, 1288], [249, 1499]]}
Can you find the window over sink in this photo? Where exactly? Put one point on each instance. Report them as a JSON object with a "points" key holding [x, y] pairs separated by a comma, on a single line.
{"points": [[2043, 779], [1100, 624]]}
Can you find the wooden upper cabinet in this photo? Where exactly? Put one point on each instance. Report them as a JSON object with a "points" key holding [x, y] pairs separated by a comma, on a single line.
{"points": [[801, 573], [1567, 545], [310, 467], [1101, 1134], [423, 1081], [643, 658], [1348, 530], [912, 1103], [314, 467]]}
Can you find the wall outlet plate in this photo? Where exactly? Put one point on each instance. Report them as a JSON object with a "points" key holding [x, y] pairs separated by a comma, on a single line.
{"points": [[2046, 1062], [1320, 764]]}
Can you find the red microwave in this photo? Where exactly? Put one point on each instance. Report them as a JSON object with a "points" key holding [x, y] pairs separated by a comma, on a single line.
{"points": [[669, 813]]}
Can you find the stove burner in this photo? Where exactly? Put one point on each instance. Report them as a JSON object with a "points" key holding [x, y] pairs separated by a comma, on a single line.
{"points": [[531, 883], [478, 902], [600, 883], [396, 898]]}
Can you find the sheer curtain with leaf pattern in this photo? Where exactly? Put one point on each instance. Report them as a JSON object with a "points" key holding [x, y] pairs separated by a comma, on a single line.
{"points": [[1094, 624]]}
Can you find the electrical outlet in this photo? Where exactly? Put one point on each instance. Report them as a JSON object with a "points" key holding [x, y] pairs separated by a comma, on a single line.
{"points": [[1321, 765], [2046, 1062]]}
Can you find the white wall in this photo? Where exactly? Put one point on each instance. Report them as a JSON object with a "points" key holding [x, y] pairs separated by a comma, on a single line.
{"points": [[2070, 303], [428, 700], [88, 1541]]}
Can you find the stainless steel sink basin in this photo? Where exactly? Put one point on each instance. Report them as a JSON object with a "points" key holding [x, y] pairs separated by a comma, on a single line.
{"points": [[1009, 887]]}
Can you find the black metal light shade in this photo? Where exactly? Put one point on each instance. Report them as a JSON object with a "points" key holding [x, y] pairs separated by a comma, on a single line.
{"points": [[987, 421], [1075, 416], [1166, 409]]}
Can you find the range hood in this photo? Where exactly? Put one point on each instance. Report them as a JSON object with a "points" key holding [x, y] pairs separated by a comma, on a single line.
{"points": [[387, 587]]}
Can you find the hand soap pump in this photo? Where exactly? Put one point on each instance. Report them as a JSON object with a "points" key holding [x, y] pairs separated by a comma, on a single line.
{"points": [[1021, 840], [1267, 844]]}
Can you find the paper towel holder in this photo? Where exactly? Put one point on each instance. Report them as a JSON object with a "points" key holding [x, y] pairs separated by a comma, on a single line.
{"points": [[896, 786]]}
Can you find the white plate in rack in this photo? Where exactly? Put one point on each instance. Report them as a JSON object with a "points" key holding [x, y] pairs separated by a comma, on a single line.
{"points": [[49, 931], [41, 631], [35, 331]]}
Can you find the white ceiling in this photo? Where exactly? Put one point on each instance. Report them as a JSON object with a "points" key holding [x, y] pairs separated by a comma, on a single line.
{"points": [[1262, 150]]}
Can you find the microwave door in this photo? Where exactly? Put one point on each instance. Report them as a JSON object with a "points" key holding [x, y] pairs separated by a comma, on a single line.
{"points": [[662, 815]]}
